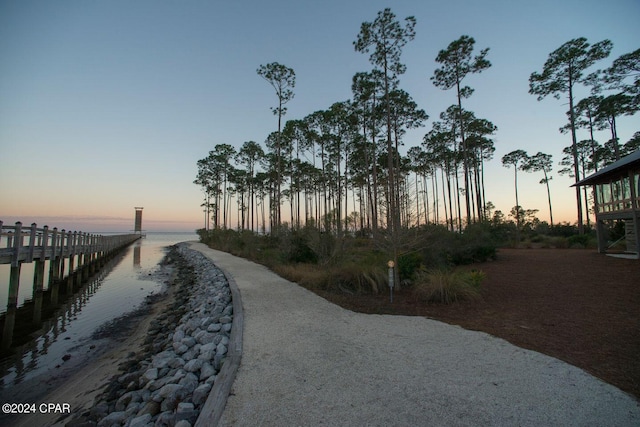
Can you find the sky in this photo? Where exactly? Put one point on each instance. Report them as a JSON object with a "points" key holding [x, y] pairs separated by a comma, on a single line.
{"points": [[108, 105]]}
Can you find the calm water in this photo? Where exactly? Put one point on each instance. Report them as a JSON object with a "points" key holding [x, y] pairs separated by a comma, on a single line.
{"points": [[117, 290]]}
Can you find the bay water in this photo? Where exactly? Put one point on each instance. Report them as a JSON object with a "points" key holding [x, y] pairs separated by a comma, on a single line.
{"points": [[119, 288]]}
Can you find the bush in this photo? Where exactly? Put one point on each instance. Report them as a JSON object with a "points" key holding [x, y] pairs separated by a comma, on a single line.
{"points": [[563, 229], [447, 286], [408, 263], [581, 241], [321, 260], [354, 279], [445, 248], [308, 275], [295, 248], [351, 278]]}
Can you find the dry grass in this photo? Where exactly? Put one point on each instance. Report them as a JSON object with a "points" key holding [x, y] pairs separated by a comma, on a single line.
{"points": [[447, 286], [311, 276], [350, 279]]}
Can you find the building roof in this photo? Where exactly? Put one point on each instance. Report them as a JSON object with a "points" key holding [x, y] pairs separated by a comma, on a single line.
{"points": [[605, 173]]}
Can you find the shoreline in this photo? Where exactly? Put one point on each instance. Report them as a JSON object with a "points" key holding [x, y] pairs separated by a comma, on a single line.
{"points": [[81, 379], [169, 369]]}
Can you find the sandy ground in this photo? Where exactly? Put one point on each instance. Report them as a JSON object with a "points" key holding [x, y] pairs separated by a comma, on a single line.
{"points": [[80, 389]]}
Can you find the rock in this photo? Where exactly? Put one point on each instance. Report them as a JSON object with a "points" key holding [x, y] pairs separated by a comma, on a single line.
{"points": [[189, 341], [204, 324], [217, 361], [200, 394], [175, 396], [161, 360], [214, 327], [188, 355], [206, 371], [207, 347], [150, 374], [221, 349], [176, 363], [193, 365], [166, 391], [113, 418], [180, 348], [152, 408], [128, 378], [186, 411], [166, 418], [185, 407], [207, 355], [189, 382], [178, 335], [167, 382], [173, 379], [125, 399], [205, 337], [140, 421], [132, 409]]}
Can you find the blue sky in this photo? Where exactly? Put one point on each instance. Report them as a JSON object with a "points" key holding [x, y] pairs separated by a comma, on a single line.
{"points": [[107, 105]]}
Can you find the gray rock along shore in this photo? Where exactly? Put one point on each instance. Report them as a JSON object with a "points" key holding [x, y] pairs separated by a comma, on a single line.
{"points": [[168, 381]]}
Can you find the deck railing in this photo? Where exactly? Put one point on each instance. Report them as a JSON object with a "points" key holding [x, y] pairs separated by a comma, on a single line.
{"points": [[19, 245]]}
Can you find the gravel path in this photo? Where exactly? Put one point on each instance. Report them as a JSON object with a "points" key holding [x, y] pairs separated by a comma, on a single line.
{"points": [[306, 361]]}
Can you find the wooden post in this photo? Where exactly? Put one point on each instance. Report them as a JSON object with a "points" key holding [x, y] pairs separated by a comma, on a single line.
{"points": [[14, 284], [94, 251], [38, 278], [17, 244], [54, 267], [12, 305], [32, 242], [62, 258], [68, 277], [85, 256]]}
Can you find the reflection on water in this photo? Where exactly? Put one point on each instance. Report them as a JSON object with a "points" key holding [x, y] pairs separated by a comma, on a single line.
{"points": [[118, 289]]}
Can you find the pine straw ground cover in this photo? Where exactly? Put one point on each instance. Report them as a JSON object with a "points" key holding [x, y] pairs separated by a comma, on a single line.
{"points": [[576, 305]]}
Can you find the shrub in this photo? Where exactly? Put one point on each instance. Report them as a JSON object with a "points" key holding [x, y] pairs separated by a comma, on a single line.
{"points": [[408, 263], [473, 252], [579, 241], [445, 249], [476, 277], [563, 229], [355, 279], [447, 286], [351, 278], [294, 247], [308, 275]]}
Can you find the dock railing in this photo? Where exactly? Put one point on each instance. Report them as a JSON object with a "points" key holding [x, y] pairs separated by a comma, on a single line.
{"points": [[20, 245]]}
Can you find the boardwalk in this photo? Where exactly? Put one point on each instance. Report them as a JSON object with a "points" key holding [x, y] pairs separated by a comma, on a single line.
{"points": [[72, 257]]}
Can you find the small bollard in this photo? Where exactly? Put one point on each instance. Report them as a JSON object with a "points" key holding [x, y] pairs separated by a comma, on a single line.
{"points": [[391, 265]]}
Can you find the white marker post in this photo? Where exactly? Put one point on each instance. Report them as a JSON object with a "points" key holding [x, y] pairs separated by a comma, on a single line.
{"points": [[391, 265]]}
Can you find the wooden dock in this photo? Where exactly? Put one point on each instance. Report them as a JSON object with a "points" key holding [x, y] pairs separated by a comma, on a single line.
{"points": [[73, 257]]}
